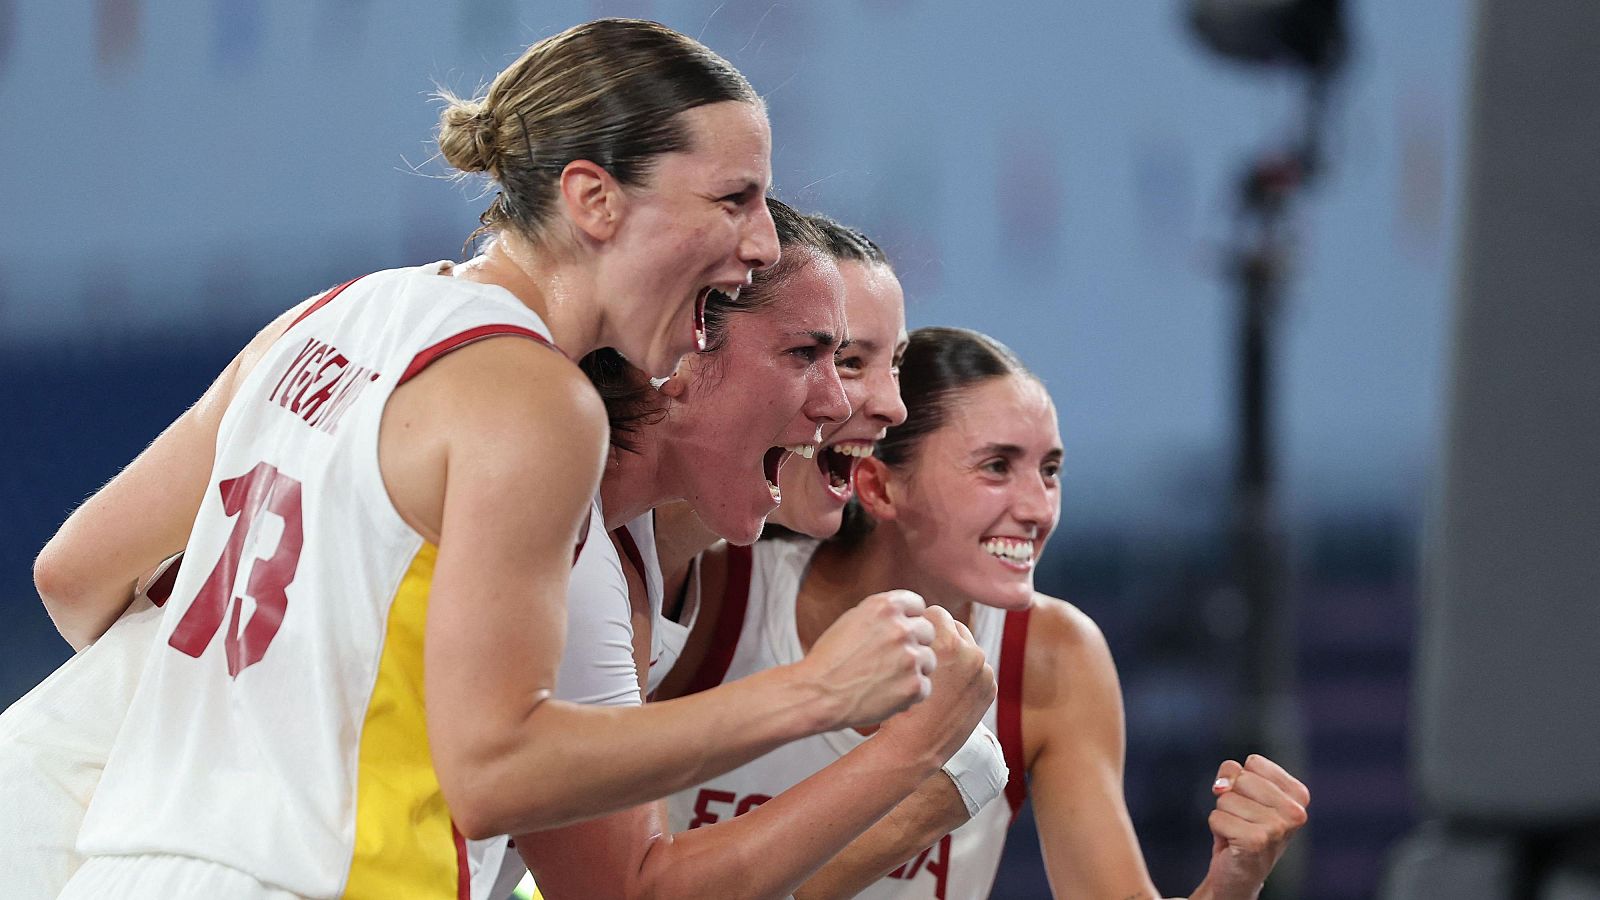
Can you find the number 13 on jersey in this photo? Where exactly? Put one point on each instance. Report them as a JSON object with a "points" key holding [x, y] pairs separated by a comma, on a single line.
{"points": [[245, 499]]}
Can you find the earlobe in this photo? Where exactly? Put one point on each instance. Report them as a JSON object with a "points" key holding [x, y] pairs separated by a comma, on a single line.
{"points": [[674, 386], [873, 482], [592, 198]]}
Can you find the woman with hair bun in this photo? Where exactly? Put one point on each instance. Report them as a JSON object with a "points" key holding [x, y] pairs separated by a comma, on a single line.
{"points": [[719, 434], [399, 470], [956, 503]]}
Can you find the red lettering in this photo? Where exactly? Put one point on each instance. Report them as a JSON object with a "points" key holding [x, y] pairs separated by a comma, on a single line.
{"points": [[324, 388], [702, 813], [245, 497], [750, 802], [294, 366]]}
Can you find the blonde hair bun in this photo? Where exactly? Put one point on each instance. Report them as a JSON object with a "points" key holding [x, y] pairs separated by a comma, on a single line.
{"points": [[467, 135]]}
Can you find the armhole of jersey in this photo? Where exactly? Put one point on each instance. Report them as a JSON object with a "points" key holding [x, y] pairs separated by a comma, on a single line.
{"points": [[457, 341], [159, 590], [630, 549], [1008, 714], [323, 301], [730, 622]]}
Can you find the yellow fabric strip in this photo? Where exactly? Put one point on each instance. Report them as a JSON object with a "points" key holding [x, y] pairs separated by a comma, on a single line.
{"points": [[405, 843]]}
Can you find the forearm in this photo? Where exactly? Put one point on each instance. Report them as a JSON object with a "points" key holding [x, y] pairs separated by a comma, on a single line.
{"points": [[933, 810], [770, 850], [562, 762]]}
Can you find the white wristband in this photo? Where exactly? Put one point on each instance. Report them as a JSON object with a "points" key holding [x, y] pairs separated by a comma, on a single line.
{"points": [[978, 769]]}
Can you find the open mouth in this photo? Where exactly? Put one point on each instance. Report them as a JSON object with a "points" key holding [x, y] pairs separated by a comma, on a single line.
{"points": [[771, 462], [1012, 552], [838, 462], [700, 319], [708, 294]]}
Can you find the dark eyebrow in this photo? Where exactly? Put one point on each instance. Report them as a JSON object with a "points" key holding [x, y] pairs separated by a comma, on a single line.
{"points": [[1012, 451], [823, 338], [1007, 450], [748, 186]]}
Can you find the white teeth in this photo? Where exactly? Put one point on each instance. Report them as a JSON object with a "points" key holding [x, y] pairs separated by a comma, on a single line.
{"points": [[860, 451], [1014, 550], [803, 450]]}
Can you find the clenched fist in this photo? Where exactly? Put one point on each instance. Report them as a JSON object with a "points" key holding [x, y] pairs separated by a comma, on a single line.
{"points": [[1259, 808], [875, 660], [963, 689]]}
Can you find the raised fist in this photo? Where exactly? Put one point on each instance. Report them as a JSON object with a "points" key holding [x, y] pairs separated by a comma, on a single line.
{"points": [[875, 660], [1259, 808], [963, 689]]}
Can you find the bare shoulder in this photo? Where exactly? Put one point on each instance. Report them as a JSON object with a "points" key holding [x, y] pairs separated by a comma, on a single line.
{"points": [[510, 387], [1061, 635], [1068, 673]]}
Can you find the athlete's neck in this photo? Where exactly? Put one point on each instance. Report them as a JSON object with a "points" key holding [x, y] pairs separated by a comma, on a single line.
{"points": [[558, 287], [634, 482]]}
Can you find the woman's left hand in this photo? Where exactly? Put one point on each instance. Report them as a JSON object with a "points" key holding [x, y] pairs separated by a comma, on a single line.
{"points": [[1259, 808]]}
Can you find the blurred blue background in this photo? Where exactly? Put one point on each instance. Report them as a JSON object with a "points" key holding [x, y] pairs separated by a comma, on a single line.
{"points": [[1058, 175]]}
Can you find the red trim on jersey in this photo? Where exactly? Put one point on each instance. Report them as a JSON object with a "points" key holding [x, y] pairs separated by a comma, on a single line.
{"points": [[463, 873], [323, 301], [457, 341], [1008, 715], [630, 549], [735, 600], [159, 590]]}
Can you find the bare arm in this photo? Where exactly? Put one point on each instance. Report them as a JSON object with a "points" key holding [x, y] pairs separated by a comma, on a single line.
{"points": [[1074, 728], [768, 851], [520, 468], [1073, 700], [86, 573], [932, 811], [764, 853]]}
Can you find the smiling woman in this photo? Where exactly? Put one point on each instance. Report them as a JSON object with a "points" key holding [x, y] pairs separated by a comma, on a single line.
{"points": [[397, 472], [957, 504], [716, 433]]}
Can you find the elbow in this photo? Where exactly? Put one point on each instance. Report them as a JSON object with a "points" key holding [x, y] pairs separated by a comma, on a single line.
{"points": [[473, 823], [62, 590], [474, 809], [52, 578], [475, 814], [479, 810]]}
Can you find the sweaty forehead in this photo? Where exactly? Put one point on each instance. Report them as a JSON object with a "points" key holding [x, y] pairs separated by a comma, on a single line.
{"points": [[732, 137], [810, 299]]}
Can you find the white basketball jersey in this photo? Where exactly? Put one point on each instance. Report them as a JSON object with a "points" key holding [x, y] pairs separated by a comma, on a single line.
{"points": [[279, 727], [756, 630], [638, 542]]}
